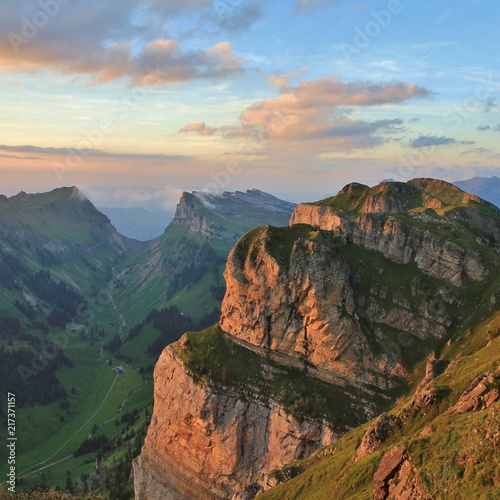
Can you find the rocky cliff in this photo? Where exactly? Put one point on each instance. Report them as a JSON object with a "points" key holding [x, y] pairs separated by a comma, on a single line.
{"points": [[407, 222], [190, 213], [320, 323], [208, 443], [221, 215]]}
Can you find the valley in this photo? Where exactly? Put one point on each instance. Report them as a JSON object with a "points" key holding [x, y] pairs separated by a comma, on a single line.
{"points": [[69, 326]]}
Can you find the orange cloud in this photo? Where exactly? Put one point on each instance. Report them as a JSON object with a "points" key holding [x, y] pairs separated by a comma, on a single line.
{"points": [[317, 110], [200, 128]]}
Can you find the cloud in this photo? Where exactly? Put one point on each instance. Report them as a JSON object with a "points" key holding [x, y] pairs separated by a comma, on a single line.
{"points": [[475, 151], [16, 157], [236, 18], [90, 153], [388, 64], [198, 127], [482, 128], [161, 198], [108, 41], [318, 110], [426, 141], [489, 104]]}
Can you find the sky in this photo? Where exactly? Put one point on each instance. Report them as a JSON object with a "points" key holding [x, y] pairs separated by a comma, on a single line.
{"points": [[135, 101]]}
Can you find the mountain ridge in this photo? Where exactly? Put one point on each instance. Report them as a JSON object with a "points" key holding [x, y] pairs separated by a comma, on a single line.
{"points": [[487, 188], [200, 230], [360, 295]]}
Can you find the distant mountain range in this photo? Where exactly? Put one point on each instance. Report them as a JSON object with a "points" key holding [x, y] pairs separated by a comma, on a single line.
{"points": [[141, 224], [487, 188], [138, 223]]}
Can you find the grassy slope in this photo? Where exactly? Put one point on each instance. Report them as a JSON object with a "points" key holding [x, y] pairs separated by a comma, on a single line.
{"points": [[212, 358], [458, 459], [44, 439], [89, 252], [145, 278]]}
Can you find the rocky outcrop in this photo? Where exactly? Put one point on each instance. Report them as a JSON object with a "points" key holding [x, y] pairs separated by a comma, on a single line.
{"points": [[396, 478], [204, 443], [483, 392], [189, 213], [375, 436], [317, 216], [308, 308]]}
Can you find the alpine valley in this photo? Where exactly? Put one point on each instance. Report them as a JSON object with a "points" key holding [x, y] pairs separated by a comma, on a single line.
{"points": [[84, 314], [342, 349]]}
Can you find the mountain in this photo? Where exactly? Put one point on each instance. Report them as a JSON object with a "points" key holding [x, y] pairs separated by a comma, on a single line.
{"points": [[77, 343], [57, 257], [487, 188], [183, 267], [439, 441], [138, 223], [377, 299], [56, 237]]}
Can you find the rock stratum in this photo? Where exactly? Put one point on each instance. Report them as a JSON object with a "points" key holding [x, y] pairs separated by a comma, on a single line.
{"points": [[322, 325]]}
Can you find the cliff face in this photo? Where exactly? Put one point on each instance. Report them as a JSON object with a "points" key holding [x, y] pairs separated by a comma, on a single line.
{"points": [[321, 303], [190, 213], [204, 444], [410, 235], [320, 321], [226, 215]]}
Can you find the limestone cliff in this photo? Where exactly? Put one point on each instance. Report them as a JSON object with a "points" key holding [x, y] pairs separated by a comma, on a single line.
{"points": [[190, 213], [320, 322], [317, 304], [204, 443], [228, 215], [412, 228]]}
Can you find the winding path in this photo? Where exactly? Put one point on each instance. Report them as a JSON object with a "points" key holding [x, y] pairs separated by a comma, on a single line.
{"points": [[29, 471]]}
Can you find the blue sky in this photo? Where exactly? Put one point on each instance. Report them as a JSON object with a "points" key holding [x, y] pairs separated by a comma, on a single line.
{"points": [[135, 101]]}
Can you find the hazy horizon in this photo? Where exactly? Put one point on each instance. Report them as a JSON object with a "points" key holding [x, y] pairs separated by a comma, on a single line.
{"points": [[135, 102]]}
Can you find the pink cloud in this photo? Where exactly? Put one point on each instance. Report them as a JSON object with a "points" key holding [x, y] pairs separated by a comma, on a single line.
{"points": [[200, 128], [319, 110]]}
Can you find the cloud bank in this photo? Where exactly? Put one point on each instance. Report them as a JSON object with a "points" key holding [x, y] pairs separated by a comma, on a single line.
{"points": [[318, 111], [113, 39]]}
